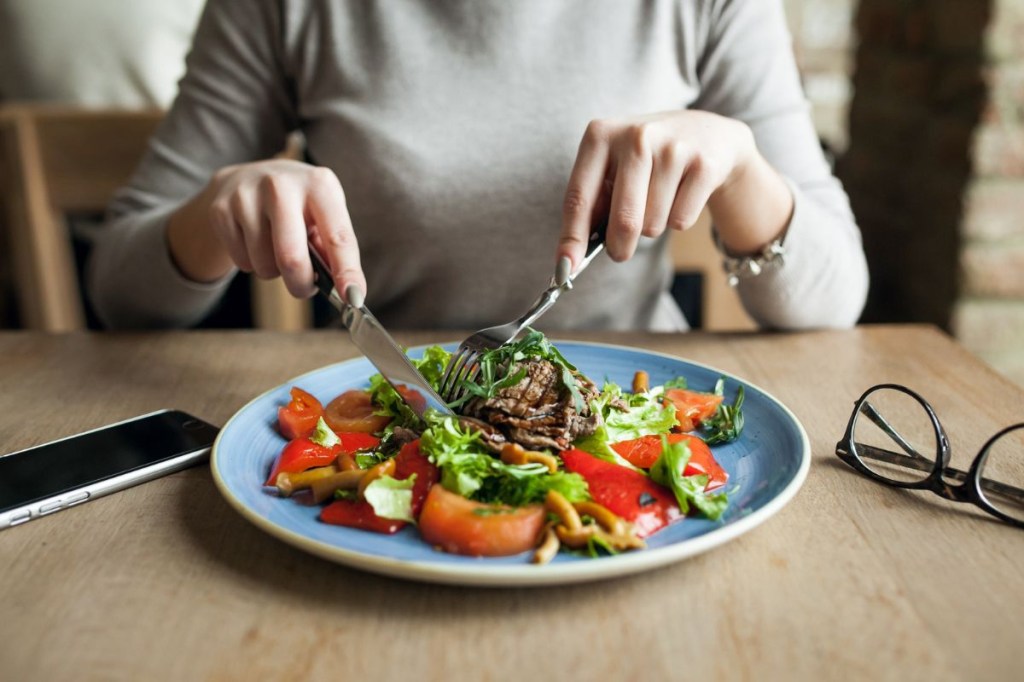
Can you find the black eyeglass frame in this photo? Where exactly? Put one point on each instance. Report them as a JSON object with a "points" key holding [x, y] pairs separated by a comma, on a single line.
{"points": [[969, 490]]}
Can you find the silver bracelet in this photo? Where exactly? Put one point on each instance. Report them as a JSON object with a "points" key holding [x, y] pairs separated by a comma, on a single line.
{"points": [[745, 267]]}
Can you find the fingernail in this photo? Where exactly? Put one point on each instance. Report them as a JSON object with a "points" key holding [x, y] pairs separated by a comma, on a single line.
{"points": [[355, 296], [563, 270]]}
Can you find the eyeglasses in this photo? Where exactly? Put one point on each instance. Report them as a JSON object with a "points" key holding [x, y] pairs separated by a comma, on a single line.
{"points": [[895, 438]]}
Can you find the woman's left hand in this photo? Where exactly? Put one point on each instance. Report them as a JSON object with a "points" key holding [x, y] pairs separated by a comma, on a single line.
{"points": [[660, 170]]}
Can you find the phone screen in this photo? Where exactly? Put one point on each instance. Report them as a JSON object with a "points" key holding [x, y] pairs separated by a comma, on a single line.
{"points": [[69, 464]]}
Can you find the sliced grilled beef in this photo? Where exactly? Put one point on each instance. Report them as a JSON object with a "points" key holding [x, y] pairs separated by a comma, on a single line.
{"points": [[538, 412]]}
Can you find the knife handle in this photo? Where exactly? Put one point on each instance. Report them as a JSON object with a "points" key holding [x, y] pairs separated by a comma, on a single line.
{"points": [[324, 280]]}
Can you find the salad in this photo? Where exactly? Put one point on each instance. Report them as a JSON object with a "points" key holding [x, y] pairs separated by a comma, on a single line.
{"points": [[538, 458]]}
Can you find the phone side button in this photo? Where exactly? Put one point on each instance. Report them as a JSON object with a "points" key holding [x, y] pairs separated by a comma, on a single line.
{"points": [[77, 498], [50, 508], [20, 517]]}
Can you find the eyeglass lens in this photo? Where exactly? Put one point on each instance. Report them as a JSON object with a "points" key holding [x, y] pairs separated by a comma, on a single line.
{"points": [[894, 436], [1002, 476]]}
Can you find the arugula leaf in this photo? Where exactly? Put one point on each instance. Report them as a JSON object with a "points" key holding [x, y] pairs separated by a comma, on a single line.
{"points": [[726, 424], [497, 365], [391, 498], [668, 471]]}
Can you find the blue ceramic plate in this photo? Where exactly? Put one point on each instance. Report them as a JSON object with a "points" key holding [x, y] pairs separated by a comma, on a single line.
{"points": [[766, 466]]}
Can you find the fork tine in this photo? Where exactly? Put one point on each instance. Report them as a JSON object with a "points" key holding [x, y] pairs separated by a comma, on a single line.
{"points": [[469, 372], [451, 380]]}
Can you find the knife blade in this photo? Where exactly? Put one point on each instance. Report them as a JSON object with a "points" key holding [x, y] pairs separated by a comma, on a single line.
{"points": [[376, 343]]}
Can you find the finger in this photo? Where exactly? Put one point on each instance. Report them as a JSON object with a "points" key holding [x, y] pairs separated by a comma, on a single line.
{"points": [[693, 195], [229, 231], [666, 176], [290, 248], [245, 207], [335, 234], [629, 195], [583, 192]]}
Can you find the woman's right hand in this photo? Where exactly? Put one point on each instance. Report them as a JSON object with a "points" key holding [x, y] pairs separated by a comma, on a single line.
{"points": [[261, 217]]}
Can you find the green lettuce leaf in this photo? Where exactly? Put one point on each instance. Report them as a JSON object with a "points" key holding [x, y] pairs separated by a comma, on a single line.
{"points": [[391, 498], [469, 469], [688, 490], [644, 415], [323, 435]]}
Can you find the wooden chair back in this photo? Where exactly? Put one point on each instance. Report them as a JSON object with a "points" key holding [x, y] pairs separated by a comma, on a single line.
{"points": [[693, 252], [56, 161]]}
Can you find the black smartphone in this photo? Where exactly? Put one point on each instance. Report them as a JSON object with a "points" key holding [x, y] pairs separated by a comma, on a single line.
{"points": [[46, 478]]}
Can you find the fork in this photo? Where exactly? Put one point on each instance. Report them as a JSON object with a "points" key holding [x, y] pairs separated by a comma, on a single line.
{"points": [[464, 364]]}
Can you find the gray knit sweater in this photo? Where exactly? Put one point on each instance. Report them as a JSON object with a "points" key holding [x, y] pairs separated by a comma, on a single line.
{"points": [[453, 126]]}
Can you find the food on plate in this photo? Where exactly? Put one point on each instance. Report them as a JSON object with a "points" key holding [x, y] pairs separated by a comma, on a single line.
{"points": [[537, 459]]}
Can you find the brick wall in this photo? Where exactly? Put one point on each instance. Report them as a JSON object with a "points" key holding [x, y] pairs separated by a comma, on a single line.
{"points": [[935, 167], [823, 40], [989, 313]]}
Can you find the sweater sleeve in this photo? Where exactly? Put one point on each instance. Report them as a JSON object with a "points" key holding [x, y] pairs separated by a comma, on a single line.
{"points": [[748, 72], [234, 105]]}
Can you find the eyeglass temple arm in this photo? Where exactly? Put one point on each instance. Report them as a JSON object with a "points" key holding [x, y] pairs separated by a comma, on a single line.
{"points": [[873, 414], [890, 457]]}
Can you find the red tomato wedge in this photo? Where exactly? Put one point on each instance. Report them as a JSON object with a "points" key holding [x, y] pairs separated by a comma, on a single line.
{"points": [[628, 493], [410, 460], [299, 455], [692, 407], [358, 514], [644, 452], [354, 411], [462, 526], [298, 418]]}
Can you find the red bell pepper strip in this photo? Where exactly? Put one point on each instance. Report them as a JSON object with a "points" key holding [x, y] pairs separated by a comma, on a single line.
{"points": [[410, 460], [359, 514], [628, 493], [299, 455], [302, 453], [356, 441]]}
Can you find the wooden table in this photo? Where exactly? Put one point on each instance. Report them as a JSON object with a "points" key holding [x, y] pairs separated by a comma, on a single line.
{"points": [[852, 580]]}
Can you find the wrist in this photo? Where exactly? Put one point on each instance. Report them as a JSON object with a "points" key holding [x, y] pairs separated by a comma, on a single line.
{"points": [[192, 244], [752, 208]]}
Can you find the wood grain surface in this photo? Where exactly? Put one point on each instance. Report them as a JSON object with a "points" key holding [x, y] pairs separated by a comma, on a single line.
{"points": [[852, 580]]}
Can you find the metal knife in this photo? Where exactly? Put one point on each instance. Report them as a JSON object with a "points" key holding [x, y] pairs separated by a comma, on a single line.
{"points": [[375, 342]]}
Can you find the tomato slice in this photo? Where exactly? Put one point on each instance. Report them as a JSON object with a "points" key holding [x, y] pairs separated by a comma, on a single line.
{"points": [[644, 452], [358, 514], [411, 460], [354, 411], [298, 418], [628, 493], [462, 526], [692, 407], [412, 398], [299, 455]]}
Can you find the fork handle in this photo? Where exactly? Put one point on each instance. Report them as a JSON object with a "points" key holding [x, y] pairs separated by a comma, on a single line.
{"points": [[555, 289]]}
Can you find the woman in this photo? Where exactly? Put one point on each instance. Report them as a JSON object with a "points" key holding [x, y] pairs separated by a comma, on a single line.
{"points": [[458, 149]]}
